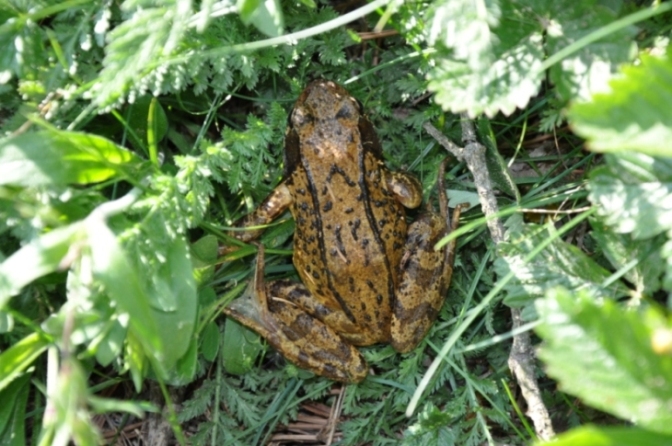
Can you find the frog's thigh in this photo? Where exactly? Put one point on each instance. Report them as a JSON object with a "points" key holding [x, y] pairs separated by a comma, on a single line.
{"points": [[419, 296], [405, 188], [307, 341]]}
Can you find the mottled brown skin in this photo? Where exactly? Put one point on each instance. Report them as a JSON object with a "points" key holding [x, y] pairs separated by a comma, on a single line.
{"points": [[367, 277]]}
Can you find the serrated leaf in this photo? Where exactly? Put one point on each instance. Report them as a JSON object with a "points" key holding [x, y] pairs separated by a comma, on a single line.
{"points": [[609, 436], [602, 353], [635, 115], [560, 264], [633, 194], [499, 67], [60, 157], [465, 26], [150, 33], [506, 84], [588, 70], [621, 249]]}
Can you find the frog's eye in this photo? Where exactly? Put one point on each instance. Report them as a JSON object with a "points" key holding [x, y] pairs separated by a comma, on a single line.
{"points": [[349, 110]]}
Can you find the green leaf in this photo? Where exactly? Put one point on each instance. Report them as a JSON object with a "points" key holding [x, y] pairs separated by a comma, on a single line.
{"points": [[13, 412], [603, 354], [499, 171], [560, 264], [204, 256], [102, 405], [175, 280], [268, 18], [42, 256], [240, 347], [6, 322], [210, 341], [138, 120], [635, 114], [20, 356], [59, 157], [609, 436], [110, 347], [122, 283], [185, 367]]}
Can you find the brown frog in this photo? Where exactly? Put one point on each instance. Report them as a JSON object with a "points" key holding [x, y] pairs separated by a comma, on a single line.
{"points": [[368, 277]]}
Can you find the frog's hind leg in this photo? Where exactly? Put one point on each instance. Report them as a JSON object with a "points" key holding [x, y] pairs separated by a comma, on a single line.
{"points": [[271, 310], [425, 274], [420, 294]]}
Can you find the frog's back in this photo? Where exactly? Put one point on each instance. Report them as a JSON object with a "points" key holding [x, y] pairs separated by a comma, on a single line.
{"points": [[348, 241]]}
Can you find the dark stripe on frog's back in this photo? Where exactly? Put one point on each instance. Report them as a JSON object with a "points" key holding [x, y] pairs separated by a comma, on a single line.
{"points": [[308, 235]]}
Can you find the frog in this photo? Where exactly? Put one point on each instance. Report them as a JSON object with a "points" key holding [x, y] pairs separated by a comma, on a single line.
{"points": [[367, 276]]}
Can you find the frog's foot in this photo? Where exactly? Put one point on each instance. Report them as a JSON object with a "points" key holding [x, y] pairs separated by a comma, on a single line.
{"points": [[271, 310]]}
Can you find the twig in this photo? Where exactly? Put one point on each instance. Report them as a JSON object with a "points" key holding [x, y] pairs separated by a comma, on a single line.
{"points": [[521, 357]]}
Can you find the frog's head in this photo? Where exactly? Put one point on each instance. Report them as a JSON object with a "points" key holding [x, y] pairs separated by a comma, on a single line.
{"points": [[324, 100]]}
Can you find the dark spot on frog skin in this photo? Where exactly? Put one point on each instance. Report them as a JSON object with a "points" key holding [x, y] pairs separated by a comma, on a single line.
{"points": [[370, 284], [354, 226], [348, 210], [316, 275], [339, 241], [379, 299], [382, 222], [327, 206]]}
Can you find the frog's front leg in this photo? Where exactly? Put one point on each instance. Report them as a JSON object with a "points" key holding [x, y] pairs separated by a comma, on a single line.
{"points": [[275, 311], [271, 208]]}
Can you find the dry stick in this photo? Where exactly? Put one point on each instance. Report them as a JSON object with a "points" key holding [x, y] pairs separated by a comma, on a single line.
{"points": [[521, 358]]}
